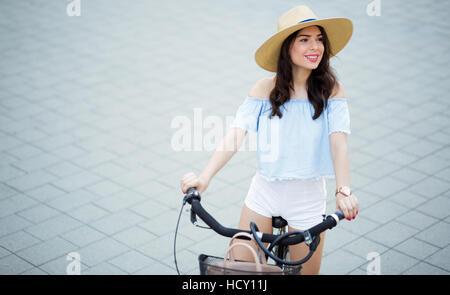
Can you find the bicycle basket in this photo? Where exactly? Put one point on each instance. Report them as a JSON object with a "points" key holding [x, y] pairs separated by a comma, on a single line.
{"points": [[212, 265]]}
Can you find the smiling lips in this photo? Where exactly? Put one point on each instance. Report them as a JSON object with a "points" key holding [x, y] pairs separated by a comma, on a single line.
{"points": [[312, 57]]}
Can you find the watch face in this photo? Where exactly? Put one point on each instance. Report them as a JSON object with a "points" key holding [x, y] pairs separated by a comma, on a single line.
{"points": [[345, 190]]}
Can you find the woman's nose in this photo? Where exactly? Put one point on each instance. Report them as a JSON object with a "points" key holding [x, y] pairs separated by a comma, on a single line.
{"points": [[315, 45]]}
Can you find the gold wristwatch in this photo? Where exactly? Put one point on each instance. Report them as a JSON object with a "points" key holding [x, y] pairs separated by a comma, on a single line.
{"points": [[344, 190]]}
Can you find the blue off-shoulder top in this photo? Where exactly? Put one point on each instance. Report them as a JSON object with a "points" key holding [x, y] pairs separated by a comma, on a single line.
{"points": [[295, 146]]}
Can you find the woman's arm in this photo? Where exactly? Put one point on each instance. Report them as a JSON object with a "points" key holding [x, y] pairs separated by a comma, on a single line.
{"points": [[227, 147], [348, 205], [339, 153]]}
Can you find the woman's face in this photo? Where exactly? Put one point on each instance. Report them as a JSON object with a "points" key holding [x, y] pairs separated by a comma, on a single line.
{"points": [[307, 48]]}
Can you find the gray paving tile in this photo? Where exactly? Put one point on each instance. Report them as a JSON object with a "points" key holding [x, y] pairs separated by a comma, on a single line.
{"points": [[121, 200], [45, 193], [437, 207], [132, 261], [18, 241], [30, 181], [409, 175], [422, 148], [162, 247], [441, 259], [72, 200], [389, 184], [82, 236], [430, 164], [378, 168], [157, 269], [408, 199], [400, 158], [359, 226], [36, 163], [134, 237], [437, 234], [34, 271], [416, 248], [337, 238], [116, 222], [394, 263], [38, 213], [4, 252], [61, 266], [109, 170], [46, 251], [340, 262], [384, 211], [444, 174], [424, 268], [13, 265], [93, 159], [416, 219], [362, 247], [76, 181], [104, 188], [101, 251], [430, 187], [64, 169], [59, 144], [53, 226], [11, 224], [104, 268], [9, 172], [149, 208], [87, 213], [136, 178], [6, 191], [391, 234], [15, 204]]}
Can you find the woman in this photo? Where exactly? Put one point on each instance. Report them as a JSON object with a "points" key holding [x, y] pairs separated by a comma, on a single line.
{"points": [[302, 112]]}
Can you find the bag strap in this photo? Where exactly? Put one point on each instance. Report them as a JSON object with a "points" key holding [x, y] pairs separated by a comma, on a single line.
{"points": [[255, 256], [244, 234]]}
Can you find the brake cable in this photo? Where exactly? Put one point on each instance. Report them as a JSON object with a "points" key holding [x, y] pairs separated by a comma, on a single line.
{"points": [[187, 199]]}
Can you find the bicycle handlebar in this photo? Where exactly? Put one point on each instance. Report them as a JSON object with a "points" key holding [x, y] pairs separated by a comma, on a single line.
{"points": [[193, 198]]}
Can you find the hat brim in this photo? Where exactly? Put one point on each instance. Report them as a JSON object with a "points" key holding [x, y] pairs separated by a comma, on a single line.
{"points": [[339, 32]]}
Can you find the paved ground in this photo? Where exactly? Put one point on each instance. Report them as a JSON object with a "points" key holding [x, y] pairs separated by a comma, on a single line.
{"points": [[86, 106]]}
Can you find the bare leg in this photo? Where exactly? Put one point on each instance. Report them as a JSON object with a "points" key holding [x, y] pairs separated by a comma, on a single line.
{"points": [[264, 225], [299, 251]]}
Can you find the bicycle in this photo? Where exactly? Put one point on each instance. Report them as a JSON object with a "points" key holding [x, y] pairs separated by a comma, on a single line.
{"points": [[278, 248]]}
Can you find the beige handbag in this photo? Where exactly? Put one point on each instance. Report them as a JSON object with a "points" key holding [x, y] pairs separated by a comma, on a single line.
{"points": [[233, 267]]}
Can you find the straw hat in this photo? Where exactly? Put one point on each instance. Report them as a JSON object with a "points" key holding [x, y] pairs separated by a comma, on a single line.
{"points": [[339, 31]]}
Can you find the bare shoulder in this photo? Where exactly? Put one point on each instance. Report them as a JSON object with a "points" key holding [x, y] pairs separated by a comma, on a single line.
{"points": [[338, 90], [262, 88]]}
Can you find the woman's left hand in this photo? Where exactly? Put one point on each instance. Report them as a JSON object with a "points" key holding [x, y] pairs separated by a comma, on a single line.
{"points": [[348, 205]]}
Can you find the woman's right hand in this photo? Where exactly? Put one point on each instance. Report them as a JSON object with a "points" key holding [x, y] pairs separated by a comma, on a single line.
{"points": [[191, 180]]}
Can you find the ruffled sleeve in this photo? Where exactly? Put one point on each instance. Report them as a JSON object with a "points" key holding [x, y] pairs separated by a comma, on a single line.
{"points": [[338, 116], [248, 114]]}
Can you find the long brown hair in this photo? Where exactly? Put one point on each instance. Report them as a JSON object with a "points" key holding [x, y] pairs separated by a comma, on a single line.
{"points": [[319, 85]]}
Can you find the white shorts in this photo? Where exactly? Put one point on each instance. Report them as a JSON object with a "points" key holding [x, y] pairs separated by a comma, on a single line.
{"points": [[301, 202]]}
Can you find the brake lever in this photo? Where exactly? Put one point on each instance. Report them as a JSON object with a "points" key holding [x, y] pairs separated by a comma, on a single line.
{"points": [[193, 217]]}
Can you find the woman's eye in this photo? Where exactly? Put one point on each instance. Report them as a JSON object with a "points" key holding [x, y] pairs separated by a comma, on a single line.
{"points": [[321, 39], [303, 40]]}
